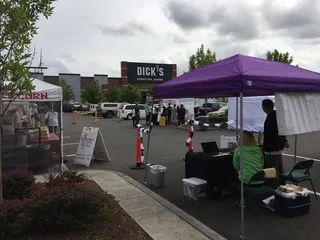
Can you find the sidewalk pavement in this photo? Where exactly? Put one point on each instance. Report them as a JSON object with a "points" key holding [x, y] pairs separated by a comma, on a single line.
{"points": [[159, 218]]}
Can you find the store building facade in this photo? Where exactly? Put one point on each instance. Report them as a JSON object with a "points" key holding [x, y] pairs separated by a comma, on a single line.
{"points": [[142, 75]]}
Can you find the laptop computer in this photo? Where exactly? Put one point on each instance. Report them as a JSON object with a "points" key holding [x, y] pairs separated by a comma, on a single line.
{"points": [[210, 148]]}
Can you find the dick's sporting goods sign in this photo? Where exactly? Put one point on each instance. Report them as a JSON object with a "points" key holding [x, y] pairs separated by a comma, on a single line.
{"points": [[148, 72]]}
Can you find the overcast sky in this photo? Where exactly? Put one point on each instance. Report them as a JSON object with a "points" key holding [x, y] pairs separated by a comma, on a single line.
{"points": [[94, 36]]}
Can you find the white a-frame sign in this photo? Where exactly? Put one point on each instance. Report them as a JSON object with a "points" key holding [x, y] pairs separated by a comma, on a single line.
{"points": [[91, 145]]}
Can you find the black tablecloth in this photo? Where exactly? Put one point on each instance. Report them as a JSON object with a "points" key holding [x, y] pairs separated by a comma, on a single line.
{"points": [[217, 170]]}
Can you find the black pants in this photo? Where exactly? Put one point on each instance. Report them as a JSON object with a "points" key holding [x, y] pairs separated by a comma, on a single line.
{"points": [[274, 161], [52, 129], [181, 119], [135, 120], [169, 118]]}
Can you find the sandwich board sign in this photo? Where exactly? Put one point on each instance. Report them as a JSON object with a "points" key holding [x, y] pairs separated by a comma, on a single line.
{"points": [[91, 145]]}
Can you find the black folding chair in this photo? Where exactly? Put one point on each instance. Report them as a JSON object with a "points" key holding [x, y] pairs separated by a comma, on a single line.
{"points": [[255, 193], [297, 177]]}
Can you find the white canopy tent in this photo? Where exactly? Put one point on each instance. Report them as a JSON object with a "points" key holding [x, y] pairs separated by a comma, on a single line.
{"points": [[44, 92], [253, 115]]}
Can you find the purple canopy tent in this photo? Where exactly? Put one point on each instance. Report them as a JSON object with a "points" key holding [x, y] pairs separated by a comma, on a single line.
{"points": [[249, 75], [239, 76]]}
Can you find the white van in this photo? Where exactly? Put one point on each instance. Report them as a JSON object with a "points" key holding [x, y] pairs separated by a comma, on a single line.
{"points": [[126, 111], [108, 110], [93, 108]]}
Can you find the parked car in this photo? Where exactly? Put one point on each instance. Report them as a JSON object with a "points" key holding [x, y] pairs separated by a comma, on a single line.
{"points": [[67, 107], [210, 107], [108, 110], [221, 112], [84, 107], [76, 106], [126, 111]]}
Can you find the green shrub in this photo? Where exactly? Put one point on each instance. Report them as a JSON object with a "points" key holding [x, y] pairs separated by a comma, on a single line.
{"points": [[66, 201], [217, 119], [14, 218], [67, 177], [18, 184], [67, 206]]}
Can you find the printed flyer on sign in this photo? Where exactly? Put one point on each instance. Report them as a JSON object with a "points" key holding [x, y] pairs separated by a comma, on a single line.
{"points": [[86, 146]]}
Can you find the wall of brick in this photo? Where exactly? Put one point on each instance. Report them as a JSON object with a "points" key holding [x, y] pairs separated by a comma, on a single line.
{"points": [[124, 74]]}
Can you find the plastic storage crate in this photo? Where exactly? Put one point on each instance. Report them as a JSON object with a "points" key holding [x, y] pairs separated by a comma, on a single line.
{"points": [[194, 188]]}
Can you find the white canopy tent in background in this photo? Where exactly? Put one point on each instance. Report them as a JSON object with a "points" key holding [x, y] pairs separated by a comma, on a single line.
{"points": [[297, 113], [188, 103], [253, 115], [44, 92]]}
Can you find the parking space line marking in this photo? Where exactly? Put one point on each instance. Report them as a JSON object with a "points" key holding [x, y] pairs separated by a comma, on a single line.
{"points": [[301, 157], [66, 144], [70, 155], [318, 194]]}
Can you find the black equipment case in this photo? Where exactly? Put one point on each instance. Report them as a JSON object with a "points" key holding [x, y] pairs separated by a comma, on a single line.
{"points": [[292, 207]]}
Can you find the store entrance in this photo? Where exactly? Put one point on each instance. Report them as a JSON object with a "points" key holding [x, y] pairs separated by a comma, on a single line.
{"points": [[144, 97]]}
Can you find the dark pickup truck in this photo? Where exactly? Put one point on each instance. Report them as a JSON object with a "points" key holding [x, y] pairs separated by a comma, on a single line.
{"points": [[210, 107]]}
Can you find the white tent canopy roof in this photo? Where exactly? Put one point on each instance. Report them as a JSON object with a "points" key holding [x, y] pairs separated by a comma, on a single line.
{"points": [[44, 92]]}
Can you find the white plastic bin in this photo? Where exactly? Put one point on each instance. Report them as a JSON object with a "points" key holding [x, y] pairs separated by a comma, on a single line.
{"points": [[158, 172], [194, 188], [227, 141]]}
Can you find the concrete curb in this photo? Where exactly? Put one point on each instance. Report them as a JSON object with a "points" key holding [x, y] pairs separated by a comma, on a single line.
{"points": [[208, 232]]}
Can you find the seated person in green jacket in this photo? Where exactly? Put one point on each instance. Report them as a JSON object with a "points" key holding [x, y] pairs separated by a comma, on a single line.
{"points": [[253, 160]]}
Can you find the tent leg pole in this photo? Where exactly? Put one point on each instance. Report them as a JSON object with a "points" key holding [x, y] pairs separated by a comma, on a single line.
{"points": [[295, 147], [148, 144], [237, 116], [242, 235], [52, 117], [61, 137], [206, 103]]}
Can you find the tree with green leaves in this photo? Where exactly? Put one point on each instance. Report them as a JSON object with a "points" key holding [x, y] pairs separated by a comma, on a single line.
{"points": [[201, 58], [18, 26], [113, 94], [130, 94], [67, 91], [92, 93], [277, 56]]}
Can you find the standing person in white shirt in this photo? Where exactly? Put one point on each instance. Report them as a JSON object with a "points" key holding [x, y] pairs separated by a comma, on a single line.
{"points": [[51, 118]]}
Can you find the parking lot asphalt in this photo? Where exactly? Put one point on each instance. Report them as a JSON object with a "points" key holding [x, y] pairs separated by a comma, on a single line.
{"points": [[167, 147]]}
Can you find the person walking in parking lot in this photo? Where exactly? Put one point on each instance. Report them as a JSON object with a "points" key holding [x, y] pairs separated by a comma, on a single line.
{"points": [[147, 109], [135, 115]]}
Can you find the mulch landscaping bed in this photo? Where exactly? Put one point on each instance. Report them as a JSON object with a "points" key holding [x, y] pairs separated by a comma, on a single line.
{"points": [[119, 226]]}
